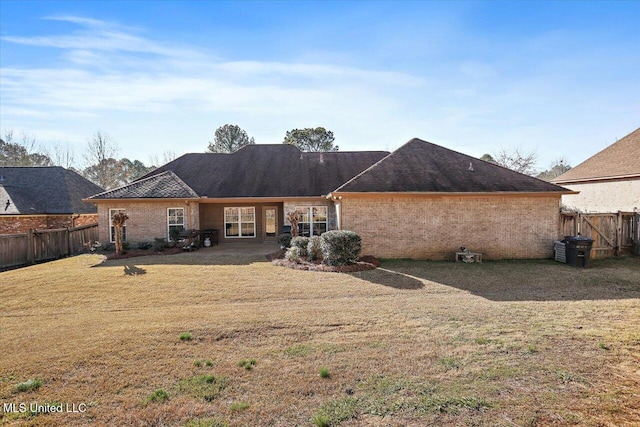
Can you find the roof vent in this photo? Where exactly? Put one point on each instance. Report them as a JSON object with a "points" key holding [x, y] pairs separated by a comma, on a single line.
{"points": [[471, 166]]}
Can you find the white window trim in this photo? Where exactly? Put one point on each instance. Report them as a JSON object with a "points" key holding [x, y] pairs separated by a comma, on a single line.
{"points": [[184, 221], [111, 223], [240, 236], [309, 208]]}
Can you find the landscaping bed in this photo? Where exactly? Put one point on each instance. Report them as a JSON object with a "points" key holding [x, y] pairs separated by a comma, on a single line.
{"points": [[364, 263]]}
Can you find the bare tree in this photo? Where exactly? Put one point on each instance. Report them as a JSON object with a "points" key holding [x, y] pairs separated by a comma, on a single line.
{"points": [[100, 158], [517, 160], [100, 148], [165, 157], [25, 152], [556, 168], [63, 156]]}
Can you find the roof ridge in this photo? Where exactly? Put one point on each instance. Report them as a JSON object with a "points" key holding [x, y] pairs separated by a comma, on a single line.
{"points": [[437, 163], [579, 167], [143, 180], [372, 166]]}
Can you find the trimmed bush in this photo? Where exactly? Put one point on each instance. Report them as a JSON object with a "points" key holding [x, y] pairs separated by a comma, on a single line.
{"points": [[340, 247], [300, 242], [144, 245], [294, 254], [285, 240], [314, 251]]}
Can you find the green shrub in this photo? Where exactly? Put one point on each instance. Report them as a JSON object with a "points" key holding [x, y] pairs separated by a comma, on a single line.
{"points": [[238, 406], [300, 242], [247, 364], [314, 251], [144, 245], [158, 396], [186, 336], [294, 254], [285, 240], [324, 373], [174, 234], [340, 247], [30, 385], [159, 243], [205, 387]]}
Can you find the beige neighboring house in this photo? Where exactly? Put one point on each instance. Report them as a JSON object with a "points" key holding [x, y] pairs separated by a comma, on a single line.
{"points": [[609, 181]]}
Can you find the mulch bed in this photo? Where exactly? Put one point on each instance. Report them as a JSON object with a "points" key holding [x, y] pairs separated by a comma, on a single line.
{"points": [[366, 262], [132, 253]]}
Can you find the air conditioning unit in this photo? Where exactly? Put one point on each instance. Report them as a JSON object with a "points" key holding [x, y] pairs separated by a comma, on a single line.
{"points": [[560, 250]]}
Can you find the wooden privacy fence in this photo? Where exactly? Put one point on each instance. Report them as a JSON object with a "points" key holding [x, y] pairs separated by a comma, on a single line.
{"points": [[612, 233], [42, 245]]}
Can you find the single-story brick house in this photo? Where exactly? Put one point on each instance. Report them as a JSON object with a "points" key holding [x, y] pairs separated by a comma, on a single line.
{"points": [[421, 201], [608, 181], [42, 198]]}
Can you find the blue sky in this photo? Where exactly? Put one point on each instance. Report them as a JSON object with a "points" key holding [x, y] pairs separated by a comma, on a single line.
{"points": [[560, 78]]}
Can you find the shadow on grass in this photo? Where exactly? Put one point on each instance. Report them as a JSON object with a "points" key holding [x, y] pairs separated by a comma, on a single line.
{"points": [[186, 258], [390, 278], [519, 280], [132, 270]]}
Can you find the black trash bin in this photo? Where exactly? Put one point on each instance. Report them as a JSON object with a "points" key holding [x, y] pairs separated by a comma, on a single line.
{"points": [[578, 250]]}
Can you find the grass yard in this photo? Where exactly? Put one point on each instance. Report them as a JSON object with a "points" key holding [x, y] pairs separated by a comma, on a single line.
{"points": [[198, 341]]}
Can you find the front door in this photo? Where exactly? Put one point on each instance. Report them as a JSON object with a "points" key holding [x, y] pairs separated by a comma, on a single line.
{"points": [[270, 219]]}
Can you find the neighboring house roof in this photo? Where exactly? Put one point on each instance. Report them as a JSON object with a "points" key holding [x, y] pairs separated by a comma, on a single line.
{"points": [[620, 159], [260, 170], [420, 166], [165, 185], [44, 190]]}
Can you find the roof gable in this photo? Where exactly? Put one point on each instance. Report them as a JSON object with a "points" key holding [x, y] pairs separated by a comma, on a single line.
{"points": [[44, 190], [164, 185], [621, 158], [423, 167]]}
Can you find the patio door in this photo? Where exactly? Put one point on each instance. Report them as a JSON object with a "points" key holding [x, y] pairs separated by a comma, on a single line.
{"points": [[270, 221]]}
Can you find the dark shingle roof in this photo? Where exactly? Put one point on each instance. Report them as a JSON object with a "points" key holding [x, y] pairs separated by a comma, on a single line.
{"points": [[164, 185], [268, 170], [420, 166], [44, 190], [619, 159]]}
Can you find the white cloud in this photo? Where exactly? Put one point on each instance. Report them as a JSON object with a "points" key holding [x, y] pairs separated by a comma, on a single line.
{"points": [[149, 94]]}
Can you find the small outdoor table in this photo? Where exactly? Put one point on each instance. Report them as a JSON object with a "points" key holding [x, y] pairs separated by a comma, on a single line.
{"points": [[468, 257]]}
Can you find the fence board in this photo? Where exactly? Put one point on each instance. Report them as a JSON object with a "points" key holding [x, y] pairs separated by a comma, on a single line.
{"points": [[44, 245], [612, 234], [13, 250]]}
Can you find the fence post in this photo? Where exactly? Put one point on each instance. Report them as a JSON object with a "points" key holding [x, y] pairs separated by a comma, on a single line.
{"points": [[616, 250], [636, 233], [30, 247], [69, 252]]}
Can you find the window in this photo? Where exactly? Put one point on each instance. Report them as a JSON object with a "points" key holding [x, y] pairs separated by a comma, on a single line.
{"points": [[112, 230], [240, 222], [175, 220], [313, 220]]}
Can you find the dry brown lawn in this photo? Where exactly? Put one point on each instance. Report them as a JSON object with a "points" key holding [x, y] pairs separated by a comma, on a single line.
{"points": [[523, 343]]}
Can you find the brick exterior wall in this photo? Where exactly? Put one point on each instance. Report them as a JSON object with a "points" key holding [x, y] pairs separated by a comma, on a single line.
{"points": [[147, 219], [17, 224], [611, 196], [500, 227]]}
